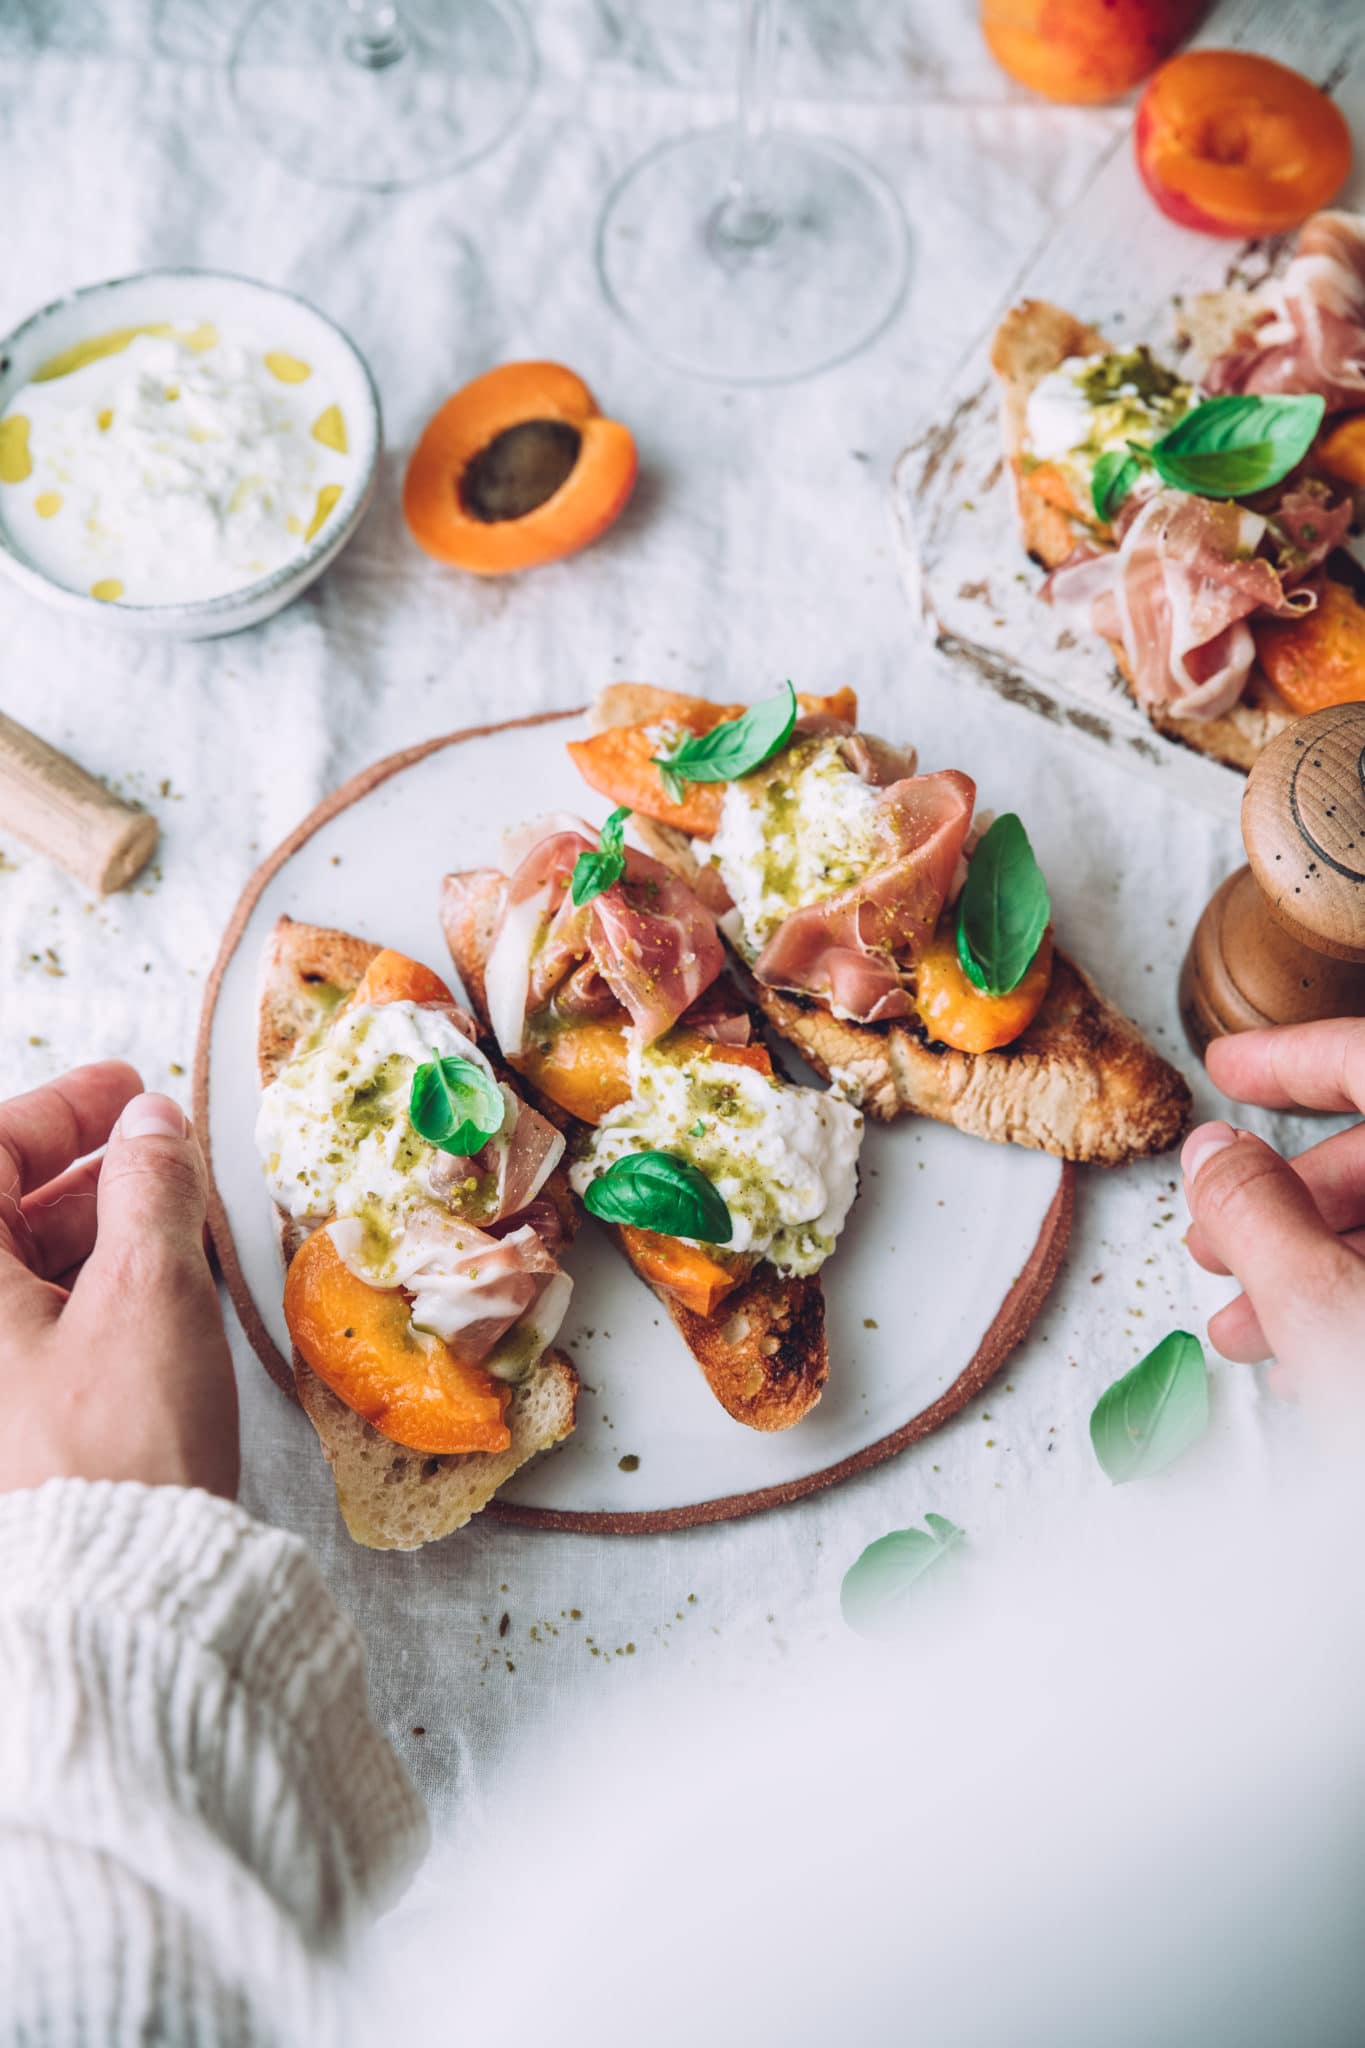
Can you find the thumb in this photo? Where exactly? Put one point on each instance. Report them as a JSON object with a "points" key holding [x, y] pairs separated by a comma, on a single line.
{"points": [[153, 1193], [1254, 1214]]}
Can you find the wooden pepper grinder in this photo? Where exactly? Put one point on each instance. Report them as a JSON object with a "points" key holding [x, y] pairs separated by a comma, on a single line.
{"points": [[1283, 940]]}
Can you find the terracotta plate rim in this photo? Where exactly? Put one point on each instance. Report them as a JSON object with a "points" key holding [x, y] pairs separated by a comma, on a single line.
{"points": [[1011, 1324]]}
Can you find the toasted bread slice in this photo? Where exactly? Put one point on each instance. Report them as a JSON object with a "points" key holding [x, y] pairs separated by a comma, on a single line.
{"points": [[763, 1353], [390, 1498], [1082, 1082], [1032, 340]]}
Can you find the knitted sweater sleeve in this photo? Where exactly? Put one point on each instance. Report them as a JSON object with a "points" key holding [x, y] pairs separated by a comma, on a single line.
{"points": [[196, 1809]]}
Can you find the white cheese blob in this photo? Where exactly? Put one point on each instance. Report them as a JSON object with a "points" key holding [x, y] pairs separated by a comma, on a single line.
{"points": [[783, 1159], [333, 1129], [1089, 405], [167, 466], [800, 829]]}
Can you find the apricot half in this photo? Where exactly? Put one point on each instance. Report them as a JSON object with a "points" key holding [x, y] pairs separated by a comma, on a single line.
{"points": [[360, 1342], [1082, 51], [516, 469], [1234, 144]]}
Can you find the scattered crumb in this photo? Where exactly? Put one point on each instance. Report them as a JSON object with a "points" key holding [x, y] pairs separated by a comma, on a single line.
{"points": [[504, 1624], [630, 1463]]}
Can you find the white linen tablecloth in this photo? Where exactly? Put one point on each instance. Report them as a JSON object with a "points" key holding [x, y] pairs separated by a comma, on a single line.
{"points": [[758, 545]]}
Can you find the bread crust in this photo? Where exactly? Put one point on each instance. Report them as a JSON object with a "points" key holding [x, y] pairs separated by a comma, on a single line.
{"points": [[390, 1498], [1081, 1082], [763, 1354], [1032, 340]]}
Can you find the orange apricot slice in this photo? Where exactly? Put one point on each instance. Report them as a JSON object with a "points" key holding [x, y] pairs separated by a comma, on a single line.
{"points": [[1318, 659], [955, 1012], [618, 762], [582, 1067], [1235, 144], [1341, 453], [699, 1281], [518, 468], [360, 1342], [393, 978]]}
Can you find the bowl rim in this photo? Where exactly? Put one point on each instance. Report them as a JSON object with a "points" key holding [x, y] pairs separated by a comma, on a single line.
{"points": [[314, 556]]}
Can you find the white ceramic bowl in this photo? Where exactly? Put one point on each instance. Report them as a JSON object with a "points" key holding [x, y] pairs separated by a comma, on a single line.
{"points": [[197, 295]]}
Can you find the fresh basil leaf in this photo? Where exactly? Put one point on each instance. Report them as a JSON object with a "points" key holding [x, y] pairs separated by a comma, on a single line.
{"points": [[1234, 446], [1150, 1417], [874, 1596], [455, 1106], [655, 1191], [1117, 470], [1003, 910], [594, 872], [733, 748]]}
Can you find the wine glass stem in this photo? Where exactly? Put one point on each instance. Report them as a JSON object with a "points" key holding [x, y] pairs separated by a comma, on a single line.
{"points": [[376, 36], [745, 219]]}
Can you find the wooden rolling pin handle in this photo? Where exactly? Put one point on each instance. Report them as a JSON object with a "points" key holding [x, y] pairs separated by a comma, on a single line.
{"points": [[63, 812]]}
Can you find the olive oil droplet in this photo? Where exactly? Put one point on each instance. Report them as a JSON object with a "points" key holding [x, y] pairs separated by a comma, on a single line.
{"points": [[202, 338], [93, 350], [48, 504], [327, 498], [330, 428], [289, 369], [108, 590], [15, 461]]}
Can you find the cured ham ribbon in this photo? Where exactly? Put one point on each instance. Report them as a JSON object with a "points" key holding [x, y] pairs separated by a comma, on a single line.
{"points": [[1186, 577], [1310, 335], [852, 948]]}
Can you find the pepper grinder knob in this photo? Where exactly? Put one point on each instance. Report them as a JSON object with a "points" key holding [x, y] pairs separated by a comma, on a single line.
{"points": [[1282, 941]]}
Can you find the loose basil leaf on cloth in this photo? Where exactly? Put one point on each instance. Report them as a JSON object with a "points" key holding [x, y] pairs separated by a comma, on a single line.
{"points": [[1117, 470], [1003, 910], [655, 1191], [594, 872], [733, 748], [1234, 446], [1150, 1417], [455, 1105], [873, 1597]]}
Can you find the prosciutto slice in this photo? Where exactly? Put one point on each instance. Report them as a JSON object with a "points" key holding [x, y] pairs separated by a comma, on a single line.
{"points": [[647, 943], [1176, 595], [524, 1154], [468, 1288], [851, 948], [1311, 334]]}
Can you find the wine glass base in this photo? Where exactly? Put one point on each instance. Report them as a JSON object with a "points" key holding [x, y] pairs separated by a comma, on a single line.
{"points": [[451, 83], [757, 293]]}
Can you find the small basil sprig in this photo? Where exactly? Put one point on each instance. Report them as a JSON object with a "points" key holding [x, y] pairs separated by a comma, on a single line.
{"points": [[655, 1191], [733, 748], [594, 872], [1151, 1416], [1003, 910], [455, 1105], [872, 1598], [1228, 447], [1117, 470], [1231, 447]]}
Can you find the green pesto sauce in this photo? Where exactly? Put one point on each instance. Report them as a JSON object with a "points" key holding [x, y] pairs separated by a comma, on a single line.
{"points": [[1132, 397]]}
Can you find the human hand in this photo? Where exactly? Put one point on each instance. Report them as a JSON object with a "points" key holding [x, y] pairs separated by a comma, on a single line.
{"points": [[1293, 1232], [114, 1363]]}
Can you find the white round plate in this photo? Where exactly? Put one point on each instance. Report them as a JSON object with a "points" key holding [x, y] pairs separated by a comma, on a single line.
{"points": [[947, 1257], [191, 296]]}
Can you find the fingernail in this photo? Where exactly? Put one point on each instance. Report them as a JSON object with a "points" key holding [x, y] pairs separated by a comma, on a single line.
{"points": [[152, 1116], [1201, 1145]]}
